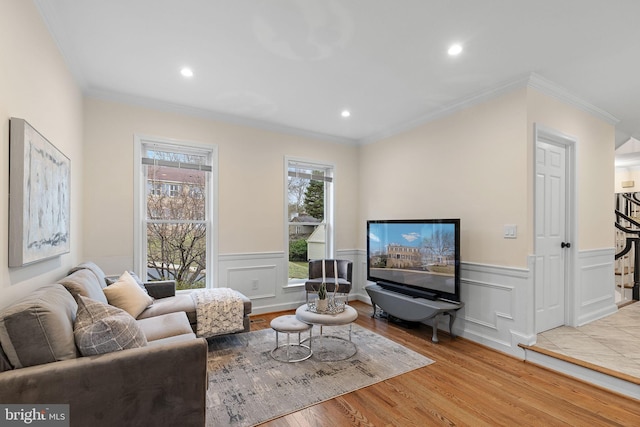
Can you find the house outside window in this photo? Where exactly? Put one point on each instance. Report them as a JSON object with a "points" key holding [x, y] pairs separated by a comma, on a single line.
{"points": [[309, 215], [175, 194], [155, 188]]}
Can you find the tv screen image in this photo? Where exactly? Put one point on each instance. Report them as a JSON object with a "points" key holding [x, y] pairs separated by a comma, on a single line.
{"points": [[416, 257]]}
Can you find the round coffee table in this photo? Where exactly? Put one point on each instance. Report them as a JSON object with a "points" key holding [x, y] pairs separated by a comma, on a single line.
{"points": [[346, 317]]}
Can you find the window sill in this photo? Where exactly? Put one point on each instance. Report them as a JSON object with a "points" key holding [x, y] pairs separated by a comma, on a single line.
{"points": [[296, 286]]}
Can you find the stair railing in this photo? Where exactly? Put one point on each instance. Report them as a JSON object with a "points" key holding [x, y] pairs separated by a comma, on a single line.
{"points": [[627, 257]]}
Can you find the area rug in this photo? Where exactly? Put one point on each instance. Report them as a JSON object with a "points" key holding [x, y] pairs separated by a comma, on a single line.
{"points": [[248, 387]]}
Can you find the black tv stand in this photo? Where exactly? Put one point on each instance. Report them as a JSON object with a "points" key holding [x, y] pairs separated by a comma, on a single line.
{"points": [[413, 309]]}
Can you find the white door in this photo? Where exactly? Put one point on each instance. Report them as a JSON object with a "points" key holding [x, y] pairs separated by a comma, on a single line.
{"points": [[550, 228]]}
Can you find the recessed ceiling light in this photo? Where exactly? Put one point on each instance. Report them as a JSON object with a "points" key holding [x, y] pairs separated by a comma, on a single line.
{"points": [[186, 72], [345, 113], [455, 49]]}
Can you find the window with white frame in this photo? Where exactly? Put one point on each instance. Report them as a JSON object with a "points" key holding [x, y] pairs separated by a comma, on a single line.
{"points": [[174, 190], [175, 194], [309, 215]]}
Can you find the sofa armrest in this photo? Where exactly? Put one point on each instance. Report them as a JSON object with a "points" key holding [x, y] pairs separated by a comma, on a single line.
{"points": [[136, 387], [161, 288]]}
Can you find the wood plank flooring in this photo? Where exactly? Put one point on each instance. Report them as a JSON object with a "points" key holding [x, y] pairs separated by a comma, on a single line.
{"points": [[469, 385]]}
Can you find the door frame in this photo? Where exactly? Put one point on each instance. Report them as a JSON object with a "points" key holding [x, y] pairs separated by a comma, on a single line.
{"points": [[554, 137]]}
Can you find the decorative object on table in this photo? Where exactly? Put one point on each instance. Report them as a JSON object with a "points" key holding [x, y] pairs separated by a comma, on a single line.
{"points": [[344, 278], [39, 202], [327, 303], [322, 304]]}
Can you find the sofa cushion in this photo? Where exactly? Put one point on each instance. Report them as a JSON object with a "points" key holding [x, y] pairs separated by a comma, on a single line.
{"points": [[127, 295], [5, 365], [165, 326], [180, 302], [91, 266], [39, 328], [84, 282], [174, 339], [101, 328]]}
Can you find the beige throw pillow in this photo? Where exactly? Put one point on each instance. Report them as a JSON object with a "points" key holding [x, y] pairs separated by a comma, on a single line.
{"points": [[127, 295]]}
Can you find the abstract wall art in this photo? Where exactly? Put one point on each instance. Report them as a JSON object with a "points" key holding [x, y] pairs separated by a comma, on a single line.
{"points": [[39, 191]]}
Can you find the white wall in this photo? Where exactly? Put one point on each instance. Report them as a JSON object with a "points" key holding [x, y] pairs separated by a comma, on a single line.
{"points": [[35, 85], [477, 165], [591, 292], [595, 164], [470, 165], [251, 192], [622, 174]]}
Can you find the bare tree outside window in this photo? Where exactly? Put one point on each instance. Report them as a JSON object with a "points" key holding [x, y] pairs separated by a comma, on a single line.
{"points": [[176, 222], [438, 251], [297, 187]]}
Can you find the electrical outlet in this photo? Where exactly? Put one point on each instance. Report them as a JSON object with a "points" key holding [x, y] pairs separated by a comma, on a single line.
{"points": [[254, 284]]}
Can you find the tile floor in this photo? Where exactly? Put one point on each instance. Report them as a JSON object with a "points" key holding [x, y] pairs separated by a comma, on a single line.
{"points": [[612, 342]]}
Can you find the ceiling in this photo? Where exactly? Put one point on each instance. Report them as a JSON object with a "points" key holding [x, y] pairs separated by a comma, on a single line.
{"points": [[294, 65]]}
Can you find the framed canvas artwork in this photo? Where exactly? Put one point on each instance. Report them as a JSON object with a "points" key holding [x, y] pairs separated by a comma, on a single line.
{"points": [[39, 191]]}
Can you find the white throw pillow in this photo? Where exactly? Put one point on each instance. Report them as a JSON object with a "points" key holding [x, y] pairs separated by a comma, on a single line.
{"points": [[127, 295]]}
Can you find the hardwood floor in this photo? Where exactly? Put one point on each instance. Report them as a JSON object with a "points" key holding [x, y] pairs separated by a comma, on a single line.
{"points": [[469, 385]]}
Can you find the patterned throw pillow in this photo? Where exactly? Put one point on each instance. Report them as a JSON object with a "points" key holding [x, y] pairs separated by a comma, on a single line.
{"points": [[100, 328]]}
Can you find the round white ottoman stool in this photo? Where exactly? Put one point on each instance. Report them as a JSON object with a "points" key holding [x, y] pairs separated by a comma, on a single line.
{"points": [[324, 352], [290, 325]]}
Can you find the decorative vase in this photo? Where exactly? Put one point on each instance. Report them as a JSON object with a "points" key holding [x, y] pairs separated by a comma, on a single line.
{"points": [[322, 304]]}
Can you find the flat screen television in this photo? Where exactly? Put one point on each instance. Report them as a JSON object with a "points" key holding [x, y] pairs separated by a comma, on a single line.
{"points": [[420, 258]]}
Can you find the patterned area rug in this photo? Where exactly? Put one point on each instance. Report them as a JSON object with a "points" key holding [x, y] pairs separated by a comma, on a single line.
{"points": [[248, 387]]}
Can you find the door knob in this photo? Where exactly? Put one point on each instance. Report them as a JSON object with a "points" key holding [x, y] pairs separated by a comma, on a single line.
{"points": [[565, 245]]}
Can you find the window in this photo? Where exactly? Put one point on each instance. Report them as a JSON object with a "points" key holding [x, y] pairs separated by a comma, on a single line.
{"points": [[309, 215], [155, 188], [175, 193], [174, 190]]}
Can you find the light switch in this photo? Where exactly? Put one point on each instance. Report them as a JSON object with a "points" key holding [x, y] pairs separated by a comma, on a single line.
{"points": [[510, 231]]}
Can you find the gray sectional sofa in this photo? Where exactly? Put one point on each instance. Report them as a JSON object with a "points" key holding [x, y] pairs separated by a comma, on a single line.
{"points": [[64, 343]]}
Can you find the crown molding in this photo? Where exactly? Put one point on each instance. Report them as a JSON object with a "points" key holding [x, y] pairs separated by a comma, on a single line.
{"points": [[49, 14], [202, 113], [552, 89], [533, 80], [449, 109]]}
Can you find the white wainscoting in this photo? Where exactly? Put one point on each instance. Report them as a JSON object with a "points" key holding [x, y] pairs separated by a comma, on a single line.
{"points": [[498, 305], [499, 301], [263, 278], [595, 287], [498, 309], [259, 276]]}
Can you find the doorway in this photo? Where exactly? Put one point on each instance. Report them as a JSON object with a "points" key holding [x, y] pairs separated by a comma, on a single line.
{"points": [[553, 219]]}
